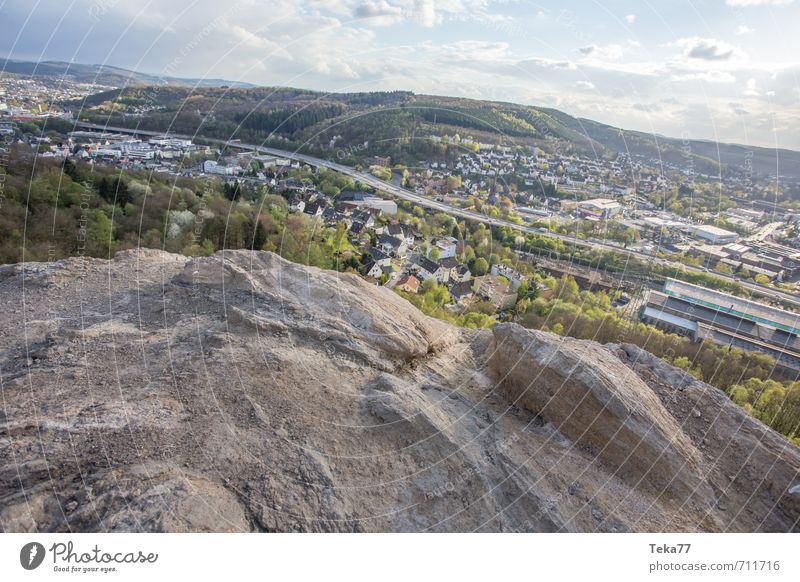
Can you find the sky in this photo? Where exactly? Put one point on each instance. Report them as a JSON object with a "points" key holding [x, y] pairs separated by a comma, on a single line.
{"points": [[725, 70]]}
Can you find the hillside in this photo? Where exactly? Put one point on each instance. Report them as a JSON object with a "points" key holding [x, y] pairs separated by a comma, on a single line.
{"points": [[704, 155], [107, 75], [393, 123], [397, 124], [241, 392]]}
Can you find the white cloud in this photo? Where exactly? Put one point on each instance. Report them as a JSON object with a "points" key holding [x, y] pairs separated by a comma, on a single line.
{"points": [[252, 39], [378, 13], [424, 13], [630, 18], [647, 107], [707, 49], [337, 68], [538, 63], [324, 45], [744, 29], [427, 13], [706, 76], [471, 50], [609, 52]]}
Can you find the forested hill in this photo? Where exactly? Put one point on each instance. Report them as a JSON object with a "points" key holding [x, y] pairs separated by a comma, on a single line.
{"points": [[355, 126], [395, 123], [107, 75]]}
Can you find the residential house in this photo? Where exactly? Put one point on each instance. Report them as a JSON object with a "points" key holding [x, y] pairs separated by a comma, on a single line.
{"points": [[379, 257], [498, 293], [446, 247], [372, 269], [394, 246], [408, 283], [461, 291], [427, 269], [515, 278], [450, 266], [332, 217], [358, 228], [401, 231], [313, 209], [390, 270], [365, 217], [460, 274]]}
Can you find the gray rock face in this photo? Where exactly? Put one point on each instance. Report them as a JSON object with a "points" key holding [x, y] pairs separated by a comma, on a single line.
{"points": [[241, 392], [606, 409]]}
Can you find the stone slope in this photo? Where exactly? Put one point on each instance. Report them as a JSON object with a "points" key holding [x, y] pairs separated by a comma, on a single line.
{"points": [[240, 392]]}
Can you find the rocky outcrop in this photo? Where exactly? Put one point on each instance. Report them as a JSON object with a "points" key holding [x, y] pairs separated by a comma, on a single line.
{"points": [[608, 410], [240, 392]]}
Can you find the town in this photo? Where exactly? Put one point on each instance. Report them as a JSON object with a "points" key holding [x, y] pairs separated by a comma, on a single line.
{"points": [[28, 99], [620, 203], [397, 266]]}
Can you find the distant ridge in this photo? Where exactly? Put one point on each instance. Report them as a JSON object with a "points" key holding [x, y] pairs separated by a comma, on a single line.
{"points": [[105, 74], [409, 112]]}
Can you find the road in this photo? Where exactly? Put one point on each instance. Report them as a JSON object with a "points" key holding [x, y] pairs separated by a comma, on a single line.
{"points": [[765, 232], [425, 202]]}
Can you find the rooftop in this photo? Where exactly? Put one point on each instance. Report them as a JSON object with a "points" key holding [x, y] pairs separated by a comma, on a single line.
{"points": [[601, 203], [715, 230], [656, 313], [735, 306]]}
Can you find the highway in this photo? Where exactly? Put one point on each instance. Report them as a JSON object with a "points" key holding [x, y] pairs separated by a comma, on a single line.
{"points": [[425, 202]]}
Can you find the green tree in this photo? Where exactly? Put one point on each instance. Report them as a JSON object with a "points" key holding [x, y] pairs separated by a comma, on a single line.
{"points": [[469, 254], [259, 236], [475, 320], [527, 290], [114, 191], [761, 279], [101, 232], [481, 267], [207, 248], [232, 191], [723, 268], [338, 241]]}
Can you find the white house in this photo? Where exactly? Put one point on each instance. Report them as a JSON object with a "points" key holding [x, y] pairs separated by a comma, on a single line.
{"points": [[446, 246], [514, 277]]}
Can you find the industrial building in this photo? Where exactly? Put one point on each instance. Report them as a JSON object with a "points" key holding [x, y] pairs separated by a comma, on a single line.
{"points": [[365, 200], [601, 208], [715, 235], [705, 314]]}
